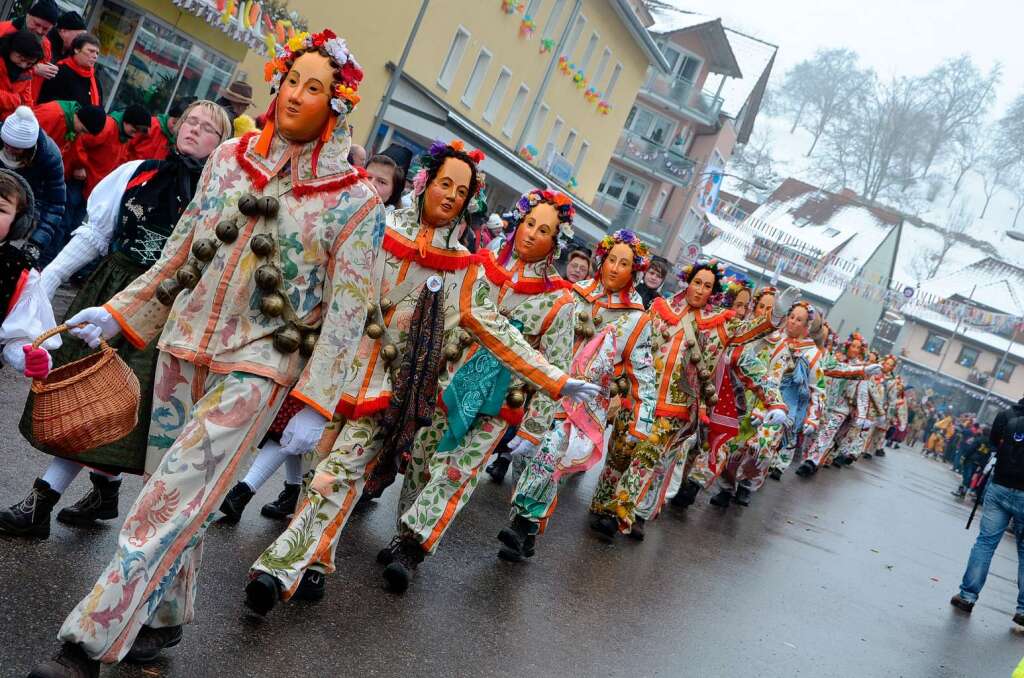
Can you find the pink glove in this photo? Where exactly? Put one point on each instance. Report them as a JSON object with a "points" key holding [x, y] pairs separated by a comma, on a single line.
{"points": [[37, 362]]}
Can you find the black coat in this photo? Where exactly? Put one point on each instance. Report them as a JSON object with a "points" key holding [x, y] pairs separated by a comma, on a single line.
{"points": [[1007, 440], [68, 86]]}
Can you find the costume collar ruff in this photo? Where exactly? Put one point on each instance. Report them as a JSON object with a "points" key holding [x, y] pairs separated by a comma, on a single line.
{"points": [[530, 278], [407, 240], [315, 166], [593, 291]]}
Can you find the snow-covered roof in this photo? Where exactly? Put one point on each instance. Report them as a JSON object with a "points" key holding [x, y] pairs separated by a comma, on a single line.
{"points": [[989, 282], [719, 56], [993, 341], [753, 57], [667, 21]]}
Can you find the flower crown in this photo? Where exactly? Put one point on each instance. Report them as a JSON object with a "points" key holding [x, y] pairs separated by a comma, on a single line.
{"points": [[767, 289], [562, 204], [732, 284], [435, 156], [348, 74], [713, 265], [624, 236], [854, 336]]}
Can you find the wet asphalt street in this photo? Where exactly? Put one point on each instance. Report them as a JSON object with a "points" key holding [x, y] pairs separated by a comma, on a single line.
{"points": [[847, 575]]}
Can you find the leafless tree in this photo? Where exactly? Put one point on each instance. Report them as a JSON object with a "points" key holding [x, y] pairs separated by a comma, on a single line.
{"points": [[1010, 130], [967, 153], [956, 225], [922, 263], [754, 161], [1013, 181], [993, 168]]}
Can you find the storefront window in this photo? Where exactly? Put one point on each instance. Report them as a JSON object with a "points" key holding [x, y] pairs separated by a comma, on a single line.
{"points": [[115, 27], [206, 74], [153, 69]]}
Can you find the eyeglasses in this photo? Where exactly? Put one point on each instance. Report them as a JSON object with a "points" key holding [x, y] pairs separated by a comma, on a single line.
{"points": [[204, 127]]}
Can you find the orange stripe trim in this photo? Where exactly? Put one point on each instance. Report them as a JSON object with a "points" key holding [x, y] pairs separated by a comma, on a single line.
{"points": [[434, 258], [126, 329], [300, 396]]}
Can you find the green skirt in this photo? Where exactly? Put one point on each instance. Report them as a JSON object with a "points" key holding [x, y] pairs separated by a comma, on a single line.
{"points": [[128, 454]]}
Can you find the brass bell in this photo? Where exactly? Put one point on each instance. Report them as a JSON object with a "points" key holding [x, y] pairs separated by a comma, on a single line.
{"points": [[452, 352], [227, 232], [464, 338], [308, 344], [578, 329], [287, 339], [582, 315], [188, 276], [598, 319], [694, 358], [713, 399], [268, 206], [689, 343], [709, 389], [261, 245], [624, 386], [588, 331], [204, 249], [665, 334], [167, 291], [272, 305], [371, 309], [268, 277], [704, 375], [247, 205], [389, 353], [374, 331], [515, 398], [386, 304], [613, 390]]}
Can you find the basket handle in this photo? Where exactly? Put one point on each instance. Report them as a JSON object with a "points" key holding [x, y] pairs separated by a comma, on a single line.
{"points": [[58, 330]]}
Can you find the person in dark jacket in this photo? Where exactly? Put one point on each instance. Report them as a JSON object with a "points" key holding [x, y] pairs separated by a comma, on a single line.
{"points": [[650, 286], [33, 155], [20, 51], [69, 26], [974, 452], [1004, 499], [76, 75]]}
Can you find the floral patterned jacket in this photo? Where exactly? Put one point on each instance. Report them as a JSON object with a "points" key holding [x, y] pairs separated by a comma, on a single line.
{"points": [[782, 360], [327, 231], [415, 255], [838, 376]]}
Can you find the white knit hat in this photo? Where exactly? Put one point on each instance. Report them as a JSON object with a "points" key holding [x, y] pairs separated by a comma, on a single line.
{"points": [[21, 129]]}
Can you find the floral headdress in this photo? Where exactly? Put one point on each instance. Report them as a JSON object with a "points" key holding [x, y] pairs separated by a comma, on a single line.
{"points": [[348, 74], [624, 236], [563, 206], [430, 162], [767, 289], [687, 273], [854, 336], [733, 283]]}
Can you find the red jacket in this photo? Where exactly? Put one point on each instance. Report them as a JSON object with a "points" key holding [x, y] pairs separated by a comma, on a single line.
{"points": [[100, 154], [13, 94], [36, 81], [54, 122], [155, 145]]}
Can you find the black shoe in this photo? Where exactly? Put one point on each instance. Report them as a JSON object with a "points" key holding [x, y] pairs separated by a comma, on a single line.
{"points": [[31, 516], [234, 503], [806, 469], [262, 593], [400, 571], [150, 642], [775, 474], [1018, 619], [686, 495], [519, 540], [865, 455], [99, 504], [283, 507], [498, 468], [961, 604], [387, 554], [879, 452], [70, 662], [605, 525], [722, 499], [849, 459], [312, 586], [742, 496], [636, 530]]}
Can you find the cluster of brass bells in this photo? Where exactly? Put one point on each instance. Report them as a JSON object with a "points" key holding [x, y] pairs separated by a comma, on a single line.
{"points": [[515, 398], [584, 327], [251, 206], [374, 330], [619, 386]]}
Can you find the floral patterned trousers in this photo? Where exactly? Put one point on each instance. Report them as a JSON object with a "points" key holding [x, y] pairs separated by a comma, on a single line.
{"points": [[536, 493], [204, 424], [854, 442], [750, 459], [819, 451]]}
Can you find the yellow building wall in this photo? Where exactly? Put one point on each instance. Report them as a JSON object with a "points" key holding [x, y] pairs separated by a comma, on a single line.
{"points": [[189, 24]]}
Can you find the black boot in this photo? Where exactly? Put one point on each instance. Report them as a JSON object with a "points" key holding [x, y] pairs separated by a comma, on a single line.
{"points": [[31, 516], [262, 593], [775, 474], [312, 586], [234, 503], [636, 530], [605, 525], [70, 662], [283, 507], [806, 469], [742, 496], [498, 468], [686, 495], [399, 573], [865, 455], [99, 504], [387, 554], [849, 459], [722, 499], [518, 539], [150, 642], [879, 452]]}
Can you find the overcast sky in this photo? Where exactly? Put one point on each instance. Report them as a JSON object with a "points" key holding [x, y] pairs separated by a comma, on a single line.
{"points": [[895, 37]]}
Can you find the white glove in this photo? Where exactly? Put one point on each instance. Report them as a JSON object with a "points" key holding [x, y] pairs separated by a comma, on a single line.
{"points": [[783, 303], [521, 447], [873, 370], [775, 418], [864, 424], [809, 429], [580, 391], [14, 355], [303, 431], [98, 324]]}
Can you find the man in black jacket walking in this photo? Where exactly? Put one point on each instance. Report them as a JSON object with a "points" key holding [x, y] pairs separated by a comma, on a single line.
{"points": [[1004, 499]]}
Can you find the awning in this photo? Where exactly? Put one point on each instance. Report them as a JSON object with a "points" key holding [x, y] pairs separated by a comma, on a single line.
{"points": [[249, 22]]}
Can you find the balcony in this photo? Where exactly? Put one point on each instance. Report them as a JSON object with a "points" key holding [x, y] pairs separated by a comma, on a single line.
{"points": [[652, 230], [684, 95], [654, 158]]}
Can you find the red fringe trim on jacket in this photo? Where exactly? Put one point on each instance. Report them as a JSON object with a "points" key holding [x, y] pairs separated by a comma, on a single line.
{"points": [[499, 276], [435, 258]]}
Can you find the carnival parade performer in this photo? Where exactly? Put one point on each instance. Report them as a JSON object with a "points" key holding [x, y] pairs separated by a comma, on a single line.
{"points": [[613, 343], [260, 291], [890, 388], [435, 305], [866, 407]]}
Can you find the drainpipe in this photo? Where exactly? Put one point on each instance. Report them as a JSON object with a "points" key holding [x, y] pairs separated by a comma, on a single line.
{"points": [[573, 15], [396, 77]]}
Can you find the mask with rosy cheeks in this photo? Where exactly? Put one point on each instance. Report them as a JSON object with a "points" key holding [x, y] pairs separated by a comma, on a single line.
{"points": [[304, 101], [446, 195], [764, 306], [854, 351], [617, 268], [888, 366], [535, 236], [741, 303], [699, 290], [796, 323]]}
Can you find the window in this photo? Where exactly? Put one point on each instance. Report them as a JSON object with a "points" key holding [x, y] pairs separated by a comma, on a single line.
{"points": [[483, 62], [622, 188], [588, 53], [581, 157], [1005, 372], [831, 232], [934, 343], [517, 108], [574, 37], [968, 356], [612, 81], [682, 65], [552, 23], [531, 9], [649, 125], [454, 58], [549, 147], [606, 56], [570, 141], [536, 124], [497, 94]]}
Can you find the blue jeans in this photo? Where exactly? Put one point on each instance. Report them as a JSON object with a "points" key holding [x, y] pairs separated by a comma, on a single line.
{"points": [[966, 475], [1001, 504]]}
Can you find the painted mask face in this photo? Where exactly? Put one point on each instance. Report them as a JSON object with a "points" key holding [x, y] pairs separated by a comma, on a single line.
{"points": [[446, 195], [888, 365], [741, 304], [535, 237], [855, 349], [304, 101], [700, 288], [764, 306], [796, 323], [617, 268]]}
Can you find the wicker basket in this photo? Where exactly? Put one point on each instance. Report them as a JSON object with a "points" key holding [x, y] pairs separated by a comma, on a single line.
{"points": [[85, 404]]}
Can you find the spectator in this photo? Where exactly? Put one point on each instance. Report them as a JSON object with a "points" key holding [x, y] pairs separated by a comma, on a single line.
{"points": [[357, 156], [236, 98], [577, 267], [489, 230], [39, 19], [28, 152], [243, 124], [973, 457], [65, 121], [157, 142], [20, 51], [69, 26], [652, 281], [387, 178], [1004, 499], [76, 75]]}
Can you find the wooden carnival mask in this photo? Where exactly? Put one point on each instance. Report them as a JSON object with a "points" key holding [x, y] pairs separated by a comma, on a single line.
{"points": [[536, 234], [617, 268], [304, 101], [447, 193], [700, 289]]}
